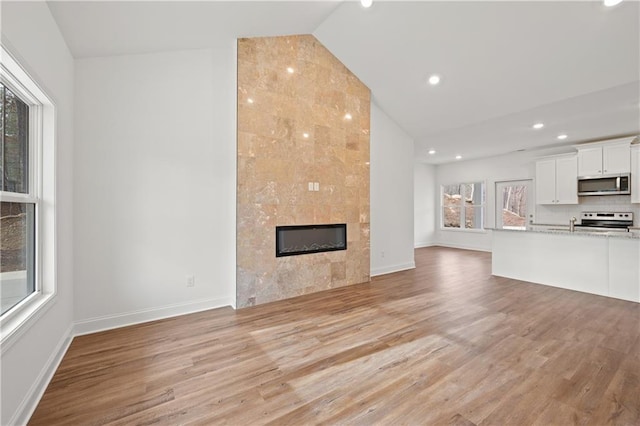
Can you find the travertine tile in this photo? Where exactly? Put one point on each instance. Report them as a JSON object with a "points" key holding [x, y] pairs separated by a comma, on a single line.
{"points": [[338, 271], [276, 161]]}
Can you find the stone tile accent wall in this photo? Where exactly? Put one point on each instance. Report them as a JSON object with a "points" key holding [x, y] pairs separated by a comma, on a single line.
{"points": [[302, 117]]}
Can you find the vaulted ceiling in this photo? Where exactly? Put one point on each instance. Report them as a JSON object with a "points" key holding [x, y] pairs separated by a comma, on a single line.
{"points": [[575, 66]]}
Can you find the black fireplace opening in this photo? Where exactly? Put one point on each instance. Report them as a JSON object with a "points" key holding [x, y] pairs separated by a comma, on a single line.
{"points": [[305, 239]]}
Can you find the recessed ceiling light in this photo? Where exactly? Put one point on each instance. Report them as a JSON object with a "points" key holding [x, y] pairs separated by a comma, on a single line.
{"points": [[562, 137], [538, 126], [366, 3], [610, 3], [347, 116], [305, 135], [434, 79], [432, 151], [250, 100], [458, 157], [290, 70]]}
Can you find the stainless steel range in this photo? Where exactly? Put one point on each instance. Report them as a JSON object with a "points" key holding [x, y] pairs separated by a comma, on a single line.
{"points": [[605, 221]]}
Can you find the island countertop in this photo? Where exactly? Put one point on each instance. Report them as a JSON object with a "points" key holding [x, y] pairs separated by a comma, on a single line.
{"points": [[633, 233]]}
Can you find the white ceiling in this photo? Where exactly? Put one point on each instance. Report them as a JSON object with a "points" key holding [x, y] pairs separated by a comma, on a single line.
{"points": [[103, 28], [504, 66], [573, 65]]}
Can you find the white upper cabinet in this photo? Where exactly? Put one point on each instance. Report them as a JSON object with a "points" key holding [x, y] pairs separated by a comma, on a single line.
{"points": [[546, 181], [635, 174], [590, 161], [616, 158], [567, 180], [556, 180], [604, 158]]}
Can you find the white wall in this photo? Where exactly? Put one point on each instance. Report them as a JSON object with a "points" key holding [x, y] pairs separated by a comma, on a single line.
{"points": [[424, 199], [155, 186], [29, 360], [391, 195]]}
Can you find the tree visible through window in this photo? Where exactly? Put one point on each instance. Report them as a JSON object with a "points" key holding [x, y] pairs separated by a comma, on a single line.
{"points": [[15, 142], [514, 207], [463, 205], [17, 215]]}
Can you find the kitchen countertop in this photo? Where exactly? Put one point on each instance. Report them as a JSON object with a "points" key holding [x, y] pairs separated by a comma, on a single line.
{"points": [[633, 234]]}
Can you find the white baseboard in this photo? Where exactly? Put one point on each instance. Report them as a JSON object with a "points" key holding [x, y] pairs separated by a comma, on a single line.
{"points": [[109, 322], [30, 402], [423, 244], [392, 268], [463, 247]]}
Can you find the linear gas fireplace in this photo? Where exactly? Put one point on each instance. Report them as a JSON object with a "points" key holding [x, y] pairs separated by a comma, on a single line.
{"points": [[305, 239]]}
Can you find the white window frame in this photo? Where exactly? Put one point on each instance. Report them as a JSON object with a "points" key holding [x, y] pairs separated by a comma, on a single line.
{"points": [[530, 184], [41, 193], [483, 206]]}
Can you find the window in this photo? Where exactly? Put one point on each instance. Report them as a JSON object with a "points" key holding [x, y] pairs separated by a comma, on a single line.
{"points": [[513, 208], [463, 206], [19, 202], [27, 215]]}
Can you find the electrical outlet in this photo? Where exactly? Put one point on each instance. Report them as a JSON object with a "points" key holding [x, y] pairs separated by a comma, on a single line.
{"points": [[382, 254], [310, 186], [316, 186], [191, 281]]}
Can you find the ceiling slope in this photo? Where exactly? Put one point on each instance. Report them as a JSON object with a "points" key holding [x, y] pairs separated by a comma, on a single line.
{"points": [[504, 66], [105, 28], [573, 65]]}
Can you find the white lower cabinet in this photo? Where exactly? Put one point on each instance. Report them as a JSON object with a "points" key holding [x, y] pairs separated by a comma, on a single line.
{"points": [[624, 269], [596, 264]]}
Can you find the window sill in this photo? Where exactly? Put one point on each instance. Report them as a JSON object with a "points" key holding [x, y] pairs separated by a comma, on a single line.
{"points": [[23, 317], [470, 231]]}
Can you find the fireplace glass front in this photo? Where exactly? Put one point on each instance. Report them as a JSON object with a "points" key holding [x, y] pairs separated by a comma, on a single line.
{"points": [[305, 239]]}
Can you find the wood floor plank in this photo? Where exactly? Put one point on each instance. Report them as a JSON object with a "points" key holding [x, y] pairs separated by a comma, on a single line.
{"points": [[444, 344], [558, 414], [620, 403]]}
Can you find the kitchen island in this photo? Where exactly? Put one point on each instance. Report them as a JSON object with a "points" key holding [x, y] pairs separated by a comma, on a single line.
{"points": [[607, 264]]}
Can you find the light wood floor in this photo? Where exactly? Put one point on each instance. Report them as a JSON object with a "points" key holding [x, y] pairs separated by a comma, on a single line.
{"points": [[445, 343]]}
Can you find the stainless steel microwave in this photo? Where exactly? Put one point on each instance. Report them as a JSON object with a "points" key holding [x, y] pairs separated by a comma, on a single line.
{"points": [[605, 185]]}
